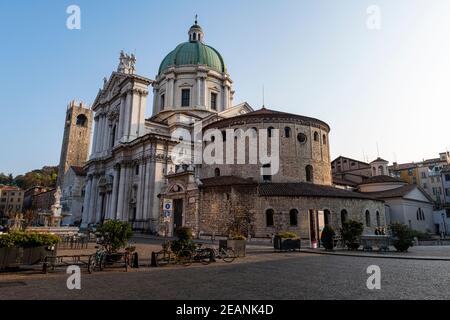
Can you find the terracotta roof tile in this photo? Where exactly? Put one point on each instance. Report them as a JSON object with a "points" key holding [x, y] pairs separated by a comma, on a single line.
{"points": [[303, 189], [226, 181], [382, 179]]}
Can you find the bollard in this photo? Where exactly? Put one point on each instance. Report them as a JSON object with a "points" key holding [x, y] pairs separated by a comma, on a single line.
{"points": [[153, 263], [135, 261], [212, 256]]}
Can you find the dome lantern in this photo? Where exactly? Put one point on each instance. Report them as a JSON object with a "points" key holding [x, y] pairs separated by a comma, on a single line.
{"points": [[196, 32]]}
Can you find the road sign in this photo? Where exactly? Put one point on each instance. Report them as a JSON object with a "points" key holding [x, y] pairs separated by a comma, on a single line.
{"points": [[167, 209]]}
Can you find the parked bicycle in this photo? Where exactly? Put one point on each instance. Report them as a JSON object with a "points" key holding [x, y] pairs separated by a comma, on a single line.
{"points": [[98, 259], [166, 256], [227, 255]]}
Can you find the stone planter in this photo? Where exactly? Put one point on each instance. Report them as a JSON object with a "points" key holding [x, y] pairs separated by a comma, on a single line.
{"points": [[283, 244], [17, 256], [239, 246]]}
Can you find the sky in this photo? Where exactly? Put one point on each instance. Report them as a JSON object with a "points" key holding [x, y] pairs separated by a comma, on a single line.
{"points": [[383, 91]]}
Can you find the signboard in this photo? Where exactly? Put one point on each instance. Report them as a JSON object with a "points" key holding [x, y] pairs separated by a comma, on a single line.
{"points": [[167, 209]]}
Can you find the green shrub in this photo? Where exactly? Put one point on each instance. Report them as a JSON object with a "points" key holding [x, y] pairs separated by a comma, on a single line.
{"points": [[115, 235], [28, 239], [403, 236], [183, 233], [327, 237], [184, 240], [286, 235], [351, 231]]}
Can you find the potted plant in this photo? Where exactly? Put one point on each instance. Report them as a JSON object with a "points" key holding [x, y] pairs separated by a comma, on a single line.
{"points": [[403, 236], [237, 242], [285, 241], [327, 238], [114, 235], [236, 223], [351, 232]]}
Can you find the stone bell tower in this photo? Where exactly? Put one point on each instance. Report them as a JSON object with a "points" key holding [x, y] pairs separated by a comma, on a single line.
{"points": [[76, 139]]}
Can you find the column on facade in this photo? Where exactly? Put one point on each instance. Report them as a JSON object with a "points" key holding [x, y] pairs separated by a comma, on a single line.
{"points": [[158, 181], [127, 118], [140, 195], [93, 199], [106, 134], [122, 117], [121, 192], [225, 97], [94, 143], [148, 184], [204, 92], [108, 206], [86, 202], [156, 104], [170, 93], [199, 91], [99, 134], [115, 190]]}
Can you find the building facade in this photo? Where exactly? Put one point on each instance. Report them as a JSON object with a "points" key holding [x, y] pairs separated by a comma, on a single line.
{"points": [[134, 169], [405, 203], [11, 200]]}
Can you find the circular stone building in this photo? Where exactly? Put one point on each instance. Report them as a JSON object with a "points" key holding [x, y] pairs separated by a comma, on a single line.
{"points": [[299, 197]]}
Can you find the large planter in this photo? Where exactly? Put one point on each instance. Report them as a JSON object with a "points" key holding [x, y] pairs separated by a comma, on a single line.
{"points": [[17, 256], [283, 244], [239, 246]]}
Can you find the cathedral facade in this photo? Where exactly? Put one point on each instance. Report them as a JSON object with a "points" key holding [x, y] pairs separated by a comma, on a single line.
{"points": [[134, 170]]}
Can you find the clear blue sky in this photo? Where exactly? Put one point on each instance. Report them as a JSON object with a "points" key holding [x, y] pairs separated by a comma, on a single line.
{"points": [[315, 58]]}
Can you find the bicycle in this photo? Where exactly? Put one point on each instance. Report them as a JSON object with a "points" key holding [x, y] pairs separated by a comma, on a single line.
{"points": [[227, 255], [98, 259], [166, 256], [203, 255]]}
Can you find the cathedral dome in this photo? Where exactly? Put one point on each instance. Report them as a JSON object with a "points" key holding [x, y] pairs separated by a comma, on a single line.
{"points": [[194, 52]]}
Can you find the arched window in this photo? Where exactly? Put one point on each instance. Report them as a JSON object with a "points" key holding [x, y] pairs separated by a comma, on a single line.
{"points": [[136, 169], [378, 219], [270, 132], [302, 138], [213, 138], [309, 173], [344, 216], [374, 171], [316, 136], [217, 172], [81, 120], [367, 218], [324, 139], [420, 214], [269, 218], [287, 132], [293, 217], [381, 170], [254, 132], [327, 217]]}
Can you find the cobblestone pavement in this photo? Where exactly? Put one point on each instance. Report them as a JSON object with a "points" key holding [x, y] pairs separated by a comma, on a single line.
{"points": [[261, 275]]}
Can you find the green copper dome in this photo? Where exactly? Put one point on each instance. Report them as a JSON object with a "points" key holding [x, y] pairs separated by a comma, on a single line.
{"points": [[193, 53]]}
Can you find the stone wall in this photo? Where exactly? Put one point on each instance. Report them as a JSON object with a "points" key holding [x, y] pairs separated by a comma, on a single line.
{"points": [[218, 203], [294, 156]]}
